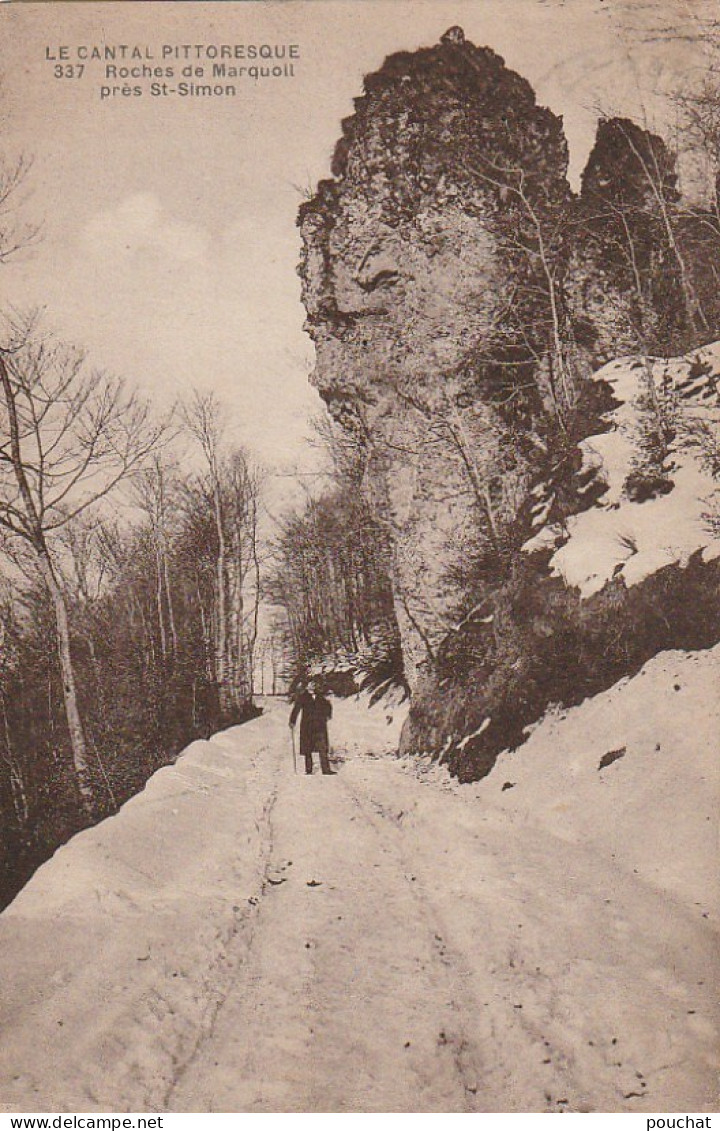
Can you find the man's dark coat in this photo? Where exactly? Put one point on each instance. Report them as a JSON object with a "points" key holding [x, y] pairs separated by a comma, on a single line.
{"points": [[316, 710]]}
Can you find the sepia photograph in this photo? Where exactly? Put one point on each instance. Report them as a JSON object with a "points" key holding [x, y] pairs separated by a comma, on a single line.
{"points": [[359, 418]]}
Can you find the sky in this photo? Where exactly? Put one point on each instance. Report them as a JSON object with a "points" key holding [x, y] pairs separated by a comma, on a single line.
{"points": [[169, 246]]}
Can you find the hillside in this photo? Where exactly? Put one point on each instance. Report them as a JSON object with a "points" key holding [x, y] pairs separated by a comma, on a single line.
{"points": [[634, 570], [659, 495], [630, 774]]}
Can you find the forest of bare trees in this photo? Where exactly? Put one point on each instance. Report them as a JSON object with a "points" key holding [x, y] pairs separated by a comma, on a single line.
{"points": [[329, 580], [130, 581], [133, 577], [129, 616]]}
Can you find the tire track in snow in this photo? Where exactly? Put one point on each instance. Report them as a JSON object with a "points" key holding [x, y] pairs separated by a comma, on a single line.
{"points": [[486, 1034], [348, 1001], [586, 971], [240, 941], [470, 1050]]}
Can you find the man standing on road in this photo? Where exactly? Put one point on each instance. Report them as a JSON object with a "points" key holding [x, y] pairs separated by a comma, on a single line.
{"points": [[315, 710]]}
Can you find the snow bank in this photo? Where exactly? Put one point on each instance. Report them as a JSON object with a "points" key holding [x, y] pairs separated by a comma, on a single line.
{"points": [[113, 956], [633, 773], [590, 988], [620, 535]]}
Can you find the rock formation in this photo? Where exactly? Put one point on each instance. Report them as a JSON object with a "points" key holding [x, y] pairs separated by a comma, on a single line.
{"points": [[420, 279], [459, 297], [624, 279]]}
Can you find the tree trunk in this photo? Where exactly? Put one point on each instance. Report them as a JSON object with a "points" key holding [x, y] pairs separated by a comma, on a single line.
{"points": [[17, 785], [75, 727], [207, 643], [221, 627], [170, 606], [34, 534], [159, 598], [478, 484], [256, 601], [242, 673], [148, 640]]}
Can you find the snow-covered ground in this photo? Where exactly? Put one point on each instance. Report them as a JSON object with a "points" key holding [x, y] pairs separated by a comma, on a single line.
{"points": [[633, 773], [239, 938], [621, 534]]}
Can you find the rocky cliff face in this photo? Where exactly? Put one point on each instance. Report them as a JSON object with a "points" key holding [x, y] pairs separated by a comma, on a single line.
{"points": [[418, 297], [623, 281], [459, 298]]}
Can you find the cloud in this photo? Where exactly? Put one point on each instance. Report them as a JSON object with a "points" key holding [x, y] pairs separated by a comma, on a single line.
{"points": [[139, 223], [174, 305]]}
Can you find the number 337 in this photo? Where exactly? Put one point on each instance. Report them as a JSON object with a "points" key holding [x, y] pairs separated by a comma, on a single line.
{"points": [[69, 71]]}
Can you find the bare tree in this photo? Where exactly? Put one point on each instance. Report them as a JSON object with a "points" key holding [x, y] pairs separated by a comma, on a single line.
{"points": [[232, 486], [15, 232], [202, 418], [663, 198], [698, 106], [533, 230], [155, 491], [241, 488], [70, 436]]}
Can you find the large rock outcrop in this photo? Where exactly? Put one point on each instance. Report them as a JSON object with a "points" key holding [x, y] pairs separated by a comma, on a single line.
{"points": [[460, 297], [421, 274], [624, 282]]}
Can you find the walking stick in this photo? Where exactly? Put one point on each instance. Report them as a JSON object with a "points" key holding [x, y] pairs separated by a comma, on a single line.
{"points": [[292, 739]]}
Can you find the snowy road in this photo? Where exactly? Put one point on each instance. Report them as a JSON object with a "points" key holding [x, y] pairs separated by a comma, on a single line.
{"points": [[241, 939], [347, 992]]}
